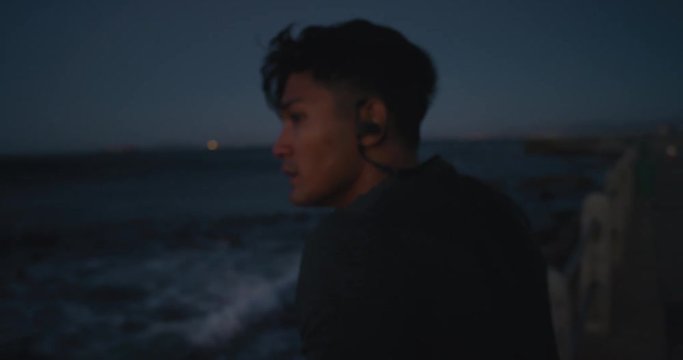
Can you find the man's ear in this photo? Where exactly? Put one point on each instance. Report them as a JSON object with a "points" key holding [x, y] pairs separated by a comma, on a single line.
{"points": [[373, 126]]}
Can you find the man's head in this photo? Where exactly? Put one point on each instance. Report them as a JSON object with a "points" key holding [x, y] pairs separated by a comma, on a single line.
{"points": [[339, 87]]}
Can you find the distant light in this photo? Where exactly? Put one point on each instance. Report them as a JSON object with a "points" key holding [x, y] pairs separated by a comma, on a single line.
{"points": [[672, 151], [212, 145]]}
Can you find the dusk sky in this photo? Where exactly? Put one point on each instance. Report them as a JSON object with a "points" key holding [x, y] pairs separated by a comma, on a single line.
{"points": [[92, 75]]}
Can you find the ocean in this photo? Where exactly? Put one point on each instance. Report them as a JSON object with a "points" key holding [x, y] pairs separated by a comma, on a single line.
{"points": [[193, 254]]}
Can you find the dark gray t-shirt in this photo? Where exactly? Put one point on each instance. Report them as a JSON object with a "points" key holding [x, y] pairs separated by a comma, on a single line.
{"points": [[429, 264]]}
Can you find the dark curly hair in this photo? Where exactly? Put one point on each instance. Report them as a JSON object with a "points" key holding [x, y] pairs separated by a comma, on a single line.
{"points": [[362, 57]]}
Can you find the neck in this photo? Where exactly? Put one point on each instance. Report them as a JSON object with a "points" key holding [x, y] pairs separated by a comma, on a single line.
{"points": [[393, 156], [370, 175]]}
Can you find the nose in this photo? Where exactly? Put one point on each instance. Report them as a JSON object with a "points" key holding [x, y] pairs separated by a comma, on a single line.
{"points": [[283, 145]]}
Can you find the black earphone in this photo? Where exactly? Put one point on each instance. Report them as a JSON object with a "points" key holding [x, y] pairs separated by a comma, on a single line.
{"points": [[368, 128], [365, 127]]}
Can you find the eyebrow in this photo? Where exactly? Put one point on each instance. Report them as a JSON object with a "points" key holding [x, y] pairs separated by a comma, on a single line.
{"points": [[286, 104]]}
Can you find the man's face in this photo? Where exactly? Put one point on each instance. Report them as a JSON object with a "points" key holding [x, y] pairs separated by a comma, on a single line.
{"points": [[317, 144]]}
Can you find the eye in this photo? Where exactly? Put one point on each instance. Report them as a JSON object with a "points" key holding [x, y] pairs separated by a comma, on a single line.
{"points": [[296, 117]]}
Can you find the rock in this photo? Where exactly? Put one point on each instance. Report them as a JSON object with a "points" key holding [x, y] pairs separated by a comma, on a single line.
{"points": [[132, 326], [49, 316], [18, 348], [113, 296], [174, 311], [39, 239], [234, 240], [166, 345], [558, 241]]}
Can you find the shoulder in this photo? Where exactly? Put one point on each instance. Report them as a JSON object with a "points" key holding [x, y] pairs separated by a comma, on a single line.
{"points": [[339, 238], [345, 239], [340, 219], [485, 200], [341, 228], [340, 262]]}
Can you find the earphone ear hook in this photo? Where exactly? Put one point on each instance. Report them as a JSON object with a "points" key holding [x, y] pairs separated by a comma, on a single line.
{"points": [[368, 128], [364, 128]]}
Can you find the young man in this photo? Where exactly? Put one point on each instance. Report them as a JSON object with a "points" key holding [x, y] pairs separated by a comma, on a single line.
{"points": [[417, 261]]}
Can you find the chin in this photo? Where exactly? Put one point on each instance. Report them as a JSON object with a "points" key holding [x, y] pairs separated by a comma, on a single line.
{"points": [[315, 201], [301, 200], [309, 200]]}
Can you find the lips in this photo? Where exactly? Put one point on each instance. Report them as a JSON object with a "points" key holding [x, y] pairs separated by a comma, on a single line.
{"points": [[290, 172]]}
